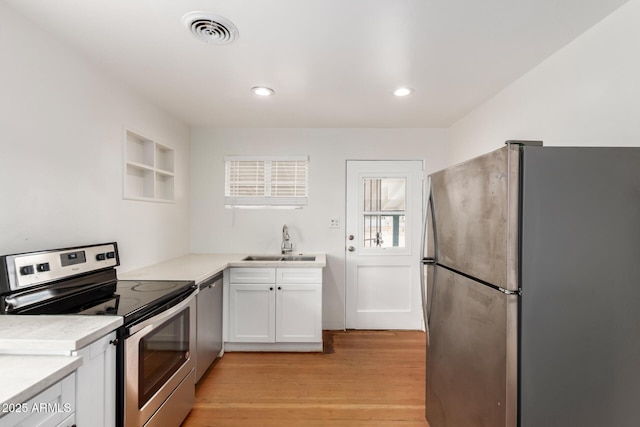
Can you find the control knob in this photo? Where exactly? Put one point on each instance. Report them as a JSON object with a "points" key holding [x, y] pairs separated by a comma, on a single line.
{"points": [[27, 269]]}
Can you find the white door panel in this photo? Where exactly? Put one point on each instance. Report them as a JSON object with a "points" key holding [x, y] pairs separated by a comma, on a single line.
{"points": [[384, 288], [384, 219]]}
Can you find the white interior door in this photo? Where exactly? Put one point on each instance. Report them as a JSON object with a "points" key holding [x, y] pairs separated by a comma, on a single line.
{"points": [[384, 212]]}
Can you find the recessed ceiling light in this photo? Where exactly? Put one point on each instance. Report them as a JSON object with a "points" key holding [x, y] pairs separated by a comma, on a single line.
{"points": [[403, 91], [262, 91]]}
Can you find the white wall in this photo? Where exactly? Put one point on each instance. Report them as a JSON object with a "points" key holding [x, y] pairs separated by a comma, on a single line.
{"points": [[588, 93], [216, 229], [61, 139]]}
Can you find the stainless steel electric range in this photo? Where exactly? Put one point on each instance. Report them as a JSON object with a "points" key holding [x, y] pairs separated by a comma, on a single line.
{"points": [[156, 344]]}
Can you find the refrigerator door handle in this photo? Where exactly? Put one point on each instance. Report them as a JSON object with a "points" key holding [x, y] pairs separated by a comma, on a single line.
{"points": [[423, 292], [508, 292], [428, 206], [422, 261]]}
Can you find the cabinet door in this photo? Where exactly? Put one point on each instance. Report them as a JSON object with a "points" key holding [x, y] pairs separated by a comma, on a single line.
{"points": [[252, 312], [96, 383], [299, 313]]}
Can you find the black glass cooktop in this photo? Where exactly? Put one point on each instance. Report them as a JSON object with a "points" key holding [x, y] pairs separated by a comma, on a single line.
{"points": [[134, 298]]}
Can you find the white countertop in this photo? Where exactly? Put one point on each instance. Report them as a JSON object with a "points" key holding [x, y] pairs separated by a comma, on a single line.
{"points": [[52, 334], [199, 267], [25, 376]]}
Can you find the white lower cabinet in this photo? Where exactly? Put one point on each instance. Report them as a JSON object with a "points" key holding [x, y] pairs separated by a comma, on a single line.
{"points": [[54, 407], [273, 309], [252, 312], [90, 390], [96, 383], [299, 313]]}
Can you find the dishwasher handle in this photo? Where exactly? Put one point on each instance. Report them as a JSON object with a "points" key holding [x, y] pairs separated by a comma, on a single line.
{"points": [[211, 282]]}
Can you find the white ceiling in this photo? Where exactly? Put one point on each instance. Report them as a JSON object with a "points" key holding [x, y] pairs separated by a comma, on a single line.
{"points": [[332, 63]]}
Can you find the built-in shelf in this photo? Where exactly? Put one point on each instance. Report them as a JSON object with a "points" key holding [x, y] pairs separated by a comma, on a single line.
{"points": [[148, 169]]}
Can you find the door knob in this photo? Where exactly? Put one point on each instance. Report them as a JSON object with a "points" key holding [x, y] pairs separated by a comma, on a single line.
{"points": [[351, 237], [351, 249]]}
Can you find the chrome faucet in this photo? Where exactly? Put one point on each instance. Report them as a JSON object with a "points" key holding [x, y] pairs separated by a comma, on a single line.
{"points": [[287, 244]]}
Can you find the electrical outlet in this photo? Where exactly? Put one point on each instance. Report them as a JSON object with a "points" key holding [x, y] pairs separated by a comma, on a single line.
{"points": [[334, 223]]}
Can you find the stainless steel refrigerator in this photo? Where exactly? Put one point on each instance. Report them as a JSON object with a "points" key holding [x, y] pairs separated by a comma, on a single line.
{"points": [[532, 289]]}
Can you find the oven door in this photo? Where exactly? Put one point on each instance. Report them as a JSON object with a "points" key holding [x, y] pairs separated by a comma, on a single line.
{"points": [[159, 366]]}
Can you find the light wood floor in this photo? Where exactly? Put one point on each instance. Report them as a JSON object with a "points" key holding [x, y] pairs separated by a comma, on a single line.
{"points": [[363, 378]]}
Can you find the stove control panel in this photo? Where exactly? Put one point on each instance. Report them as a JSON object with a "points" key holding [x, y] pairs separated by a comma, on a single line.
{"points": [[35, 268]]}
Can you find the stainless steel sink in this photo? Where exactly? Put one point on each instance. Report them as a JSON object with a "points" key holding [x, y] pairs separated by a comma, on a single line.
{"points": [[263, 258], [298, 258], [279, 258]]}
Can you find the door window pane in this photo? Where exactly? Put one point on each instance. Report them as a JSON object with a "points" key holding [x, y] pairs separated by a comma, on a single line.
{"points": [[384, 212], [384, 231], [384, 194]]}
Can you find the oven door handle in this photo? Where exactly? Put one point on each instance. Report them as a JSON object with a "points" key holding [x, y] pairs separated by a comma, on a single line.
{"points": [[161, 317]]}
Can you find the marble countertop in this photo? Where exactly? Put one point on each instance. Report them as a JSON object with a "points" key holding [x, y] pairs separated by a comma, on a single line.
{"points": [[199, 267], [52, 334], [29, 375]]}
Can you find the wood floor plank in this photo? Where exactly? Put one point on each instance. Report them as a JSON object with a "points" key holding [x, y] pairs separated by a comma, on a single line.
{"points": [[363, 378]]}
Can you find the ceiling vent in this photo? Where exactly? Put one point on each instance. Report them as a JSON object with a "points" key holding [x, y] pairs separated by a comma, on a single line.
{"points": [[210, 28]]}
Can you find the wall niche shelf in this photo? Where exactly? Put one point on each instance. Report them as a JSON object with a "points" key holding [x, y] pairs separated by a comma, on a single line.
{"points": [[148, 169]]}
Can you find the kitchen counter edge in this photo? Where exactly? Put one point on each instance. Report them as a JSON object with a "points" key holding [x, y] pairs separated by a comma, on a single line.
{"points": [[53, 334]]}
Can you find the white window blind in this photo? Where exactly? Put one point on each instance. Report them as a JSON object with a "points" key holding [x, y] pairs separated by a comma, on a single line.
{"points": [[266, 181]]}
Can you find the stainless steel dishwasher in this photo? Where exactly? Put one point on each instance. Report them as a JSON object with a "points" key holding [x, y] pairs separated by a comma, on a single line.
{"points": [[209, 324]]}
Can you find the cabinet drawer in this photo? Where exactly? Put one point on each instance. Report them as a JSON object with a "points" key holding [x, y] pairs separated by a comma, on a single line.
{"points": [[252, 275], [299, 275]]}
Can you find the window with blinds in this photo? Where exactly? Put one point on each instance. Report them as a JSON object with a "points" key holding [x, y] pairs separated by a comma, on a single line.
{"points": [[266, 181]]}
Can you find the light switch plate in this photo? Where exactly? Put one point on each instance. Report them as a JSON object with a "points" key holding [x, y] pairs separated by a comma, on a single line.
{"points": [[334, 223]]}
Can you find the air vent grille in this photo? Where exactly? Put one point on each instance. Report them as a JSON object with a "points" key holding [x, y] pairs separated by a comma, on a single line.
{"points": [[210, 28]]}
